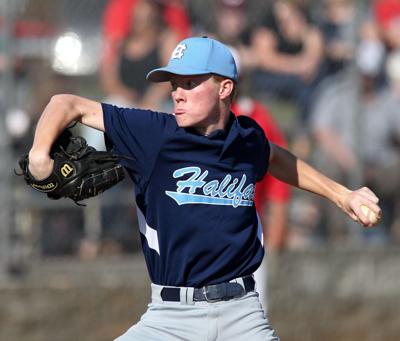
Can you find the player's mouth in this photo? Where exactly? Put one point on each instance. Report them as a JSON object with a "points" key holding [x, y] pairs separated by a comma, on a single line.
{"points": [[179, 112]]}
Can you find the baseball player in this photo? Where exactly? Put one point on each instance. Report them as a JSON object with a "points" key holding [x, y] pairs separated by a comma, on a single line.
{"points": [[194, 174]]}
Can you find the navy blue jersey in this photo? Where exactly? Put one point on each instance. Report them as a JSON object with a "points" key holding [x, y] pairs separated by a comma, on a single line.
{"points": [[194, 194]]}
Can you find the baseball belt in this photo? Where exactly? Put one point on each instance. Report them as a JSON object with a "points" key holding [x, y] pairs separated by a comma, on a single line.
{"points": [[212, 293]]}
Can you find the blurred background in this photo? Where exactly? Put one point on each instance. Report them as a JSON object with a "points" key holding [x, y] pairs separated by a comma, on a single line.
{"points": [[321, 77]]}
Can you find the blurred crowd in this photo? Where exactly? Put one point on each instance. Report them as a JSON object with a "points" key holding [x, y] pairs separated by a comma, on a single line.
{"points": [[321, 78]]}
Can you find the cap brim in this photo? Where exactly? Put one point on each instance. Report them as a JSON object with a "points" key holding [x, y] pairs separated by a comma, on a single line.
{"points": [[164, 74]]}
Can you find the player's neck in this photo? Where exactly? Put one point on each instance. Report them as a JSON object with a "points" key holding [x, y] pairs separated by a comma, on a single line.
{"points": [[219, 124]]}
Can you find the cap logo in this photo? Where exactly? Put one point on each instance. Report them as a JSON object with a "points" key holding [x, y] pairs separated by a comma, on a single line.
{"points": [[179, 51]]}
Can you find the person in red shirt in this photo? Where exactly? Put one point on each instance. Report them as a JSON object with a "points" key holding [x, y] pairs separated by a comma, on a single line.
{"points": [[270, 193], [387, 16], [272, 196], [117, 23], [139, 35]]}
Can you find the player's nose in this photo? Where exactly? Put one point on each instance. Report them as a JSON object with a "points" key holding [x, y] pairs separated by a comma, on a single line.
{"points": [[178, 94]]}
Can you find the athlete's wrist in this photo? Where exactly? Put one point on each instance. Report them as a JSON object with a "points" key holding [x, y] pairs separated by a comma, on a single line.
{"points": [[40, 163]]}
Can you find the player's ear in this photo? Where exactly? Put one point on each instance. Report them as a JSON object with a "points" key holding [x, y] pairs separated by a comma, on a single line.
{"points": [[226, 88]]}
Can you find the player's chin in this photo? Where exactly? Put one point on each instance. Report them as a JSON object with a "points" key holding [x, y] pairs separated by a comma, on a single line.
{"points": [[187, 121], [182, 121]]}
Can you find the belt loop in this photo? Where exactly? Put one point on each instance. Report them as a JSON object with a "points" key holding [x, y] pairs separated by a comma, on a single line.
{"points": [[156, 293], [189, 295], [183, 295], [240, 281]]}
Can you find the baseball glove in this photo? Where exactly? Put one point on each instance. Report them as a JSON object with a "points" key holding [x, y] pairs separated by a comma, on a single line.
{"points": [[80, 171]]}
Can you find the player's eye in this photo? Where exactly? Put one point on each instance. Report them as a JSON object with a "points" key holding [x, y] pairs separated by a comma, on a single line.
{"points": [[186, 84], [190, 84]]}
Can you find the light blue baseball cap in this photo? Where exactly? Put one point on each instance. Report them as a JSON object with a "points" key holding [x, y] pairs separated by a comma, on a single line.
{"points": [[197, 56]]}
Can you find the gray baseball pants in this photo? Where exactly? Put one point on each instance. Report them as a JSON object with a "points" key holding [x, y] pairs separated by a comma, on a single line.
{"points": [[234, 320]]}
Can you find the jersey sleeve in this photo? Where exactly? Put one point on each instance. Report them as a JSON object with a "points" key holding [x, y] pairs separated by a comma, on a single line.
{"points": [[137, 135]]}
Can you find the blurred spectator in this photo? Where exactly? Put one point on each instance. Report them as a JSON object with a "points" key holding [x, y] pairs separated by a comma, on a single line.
{"points": [[139, 35], [334, 126], [387, 16], [381, 147], [231, 21], [339, 26], [370, 54], [288, 53], [356, 125], [118, 21], [231, 26]]}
